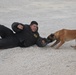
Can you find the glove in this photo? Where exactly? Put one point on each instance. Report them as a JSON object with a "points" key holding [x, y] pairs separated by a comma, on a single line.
{"points": [[41, 42]]}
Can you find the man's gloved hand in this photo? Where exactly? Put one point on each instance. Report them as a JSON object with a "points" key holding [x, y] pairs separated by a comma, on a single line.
{"points": [[41, 42]]}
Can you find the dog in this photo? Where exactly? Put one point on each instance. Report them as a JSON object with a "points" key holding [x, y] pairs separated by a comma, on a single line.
{"points": [[61, 37]]}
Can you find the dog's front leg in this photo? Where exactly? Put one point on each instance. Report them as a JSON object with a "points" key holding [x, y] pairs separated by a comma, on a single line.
{"points": [[57, 41], [60, 44]]}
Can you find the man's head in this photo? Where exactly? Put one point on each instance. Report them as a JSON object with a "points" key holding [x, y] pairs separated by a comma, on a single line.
{"points": [[34, 26]]}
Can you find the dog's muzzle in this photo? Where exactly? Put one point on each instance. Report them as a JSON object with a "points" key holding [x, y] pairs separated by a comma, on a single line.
{"points": [[49, 40]]}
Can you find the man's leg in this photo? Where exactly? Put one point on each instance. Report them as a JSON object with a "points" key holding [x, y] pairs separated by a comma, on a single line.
{"points": [[5, 32], [8, 42]]}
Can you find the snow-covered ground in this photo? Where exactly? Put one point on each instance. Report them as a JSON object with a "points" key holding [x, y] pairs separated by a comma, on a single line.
{"points": [[51, 15]]}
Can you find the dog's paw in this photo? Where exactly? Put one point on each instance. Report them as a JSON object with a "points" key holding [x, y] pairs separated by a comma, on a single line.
{"points": [[73, 47]]}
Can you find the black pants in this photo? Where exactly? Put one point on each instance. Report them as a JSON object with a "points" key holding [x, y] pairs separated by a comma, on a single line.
{"points": [[7, 40]]}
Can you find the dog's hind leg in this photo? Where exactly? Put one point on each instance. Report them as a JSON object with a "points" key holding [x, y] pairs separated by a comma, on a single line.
{"points": [[73, 47], [57, 41]]}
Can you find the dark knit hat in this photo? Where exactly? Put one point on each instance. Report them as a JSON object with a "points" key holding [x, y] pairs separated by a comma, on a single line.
{"points": [[33, 22]]}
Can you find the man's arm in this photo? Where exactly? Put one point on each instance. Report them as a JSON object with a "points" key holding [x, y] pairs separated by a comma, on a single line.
{"points": [[41, 42], [17, 27]]}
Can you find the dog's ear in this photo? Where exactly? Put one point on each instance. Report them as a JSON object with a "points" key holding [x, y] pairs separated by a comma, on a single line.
{"points": [[52, 35]]}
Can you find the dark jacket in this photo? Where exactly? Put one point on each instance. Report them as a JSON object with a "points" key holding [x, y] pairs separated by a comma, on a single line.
{"points": [[26, 36]]}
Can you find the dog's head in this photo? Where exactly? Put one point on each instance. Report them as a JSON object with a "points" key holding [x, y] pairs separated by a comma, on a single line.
{"points": [[51, 38]]}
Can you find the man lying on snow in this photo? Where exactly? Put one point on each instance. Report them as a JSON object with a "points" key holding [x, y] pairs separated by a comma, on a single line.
{"points": [[23, 36]]}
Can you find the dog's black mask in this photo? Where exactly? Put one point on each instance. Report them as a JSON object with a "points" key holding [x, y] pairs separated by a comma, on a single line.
{"points": [[50, 38]]}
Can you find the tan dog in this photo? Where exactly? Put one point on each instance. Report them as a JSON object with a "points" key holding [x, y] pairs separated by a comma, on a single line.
{"points": [[61, 36]]}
